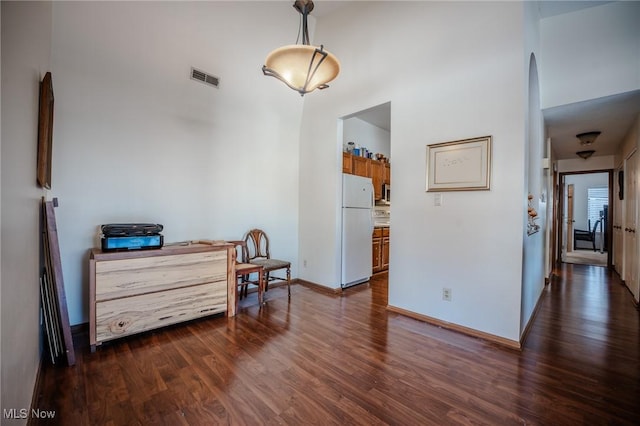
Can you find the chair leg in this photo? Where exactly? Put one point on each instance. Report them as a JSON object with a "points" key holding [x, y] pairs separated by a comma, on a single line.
{"points": [[260, 288], [242, 292], [289, 282], [266, 281], [237, 296]]}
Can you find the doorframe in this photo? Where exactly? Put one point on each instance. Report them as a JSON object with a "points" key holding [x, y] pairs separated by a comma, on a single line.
{"points": [[560, 212], [554, 225], [568, 236]]}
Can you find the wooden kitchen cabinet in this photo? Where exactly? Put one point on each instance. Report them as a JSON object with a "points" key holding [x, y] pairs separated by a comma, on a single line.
{"points": [[384, 250], [387, 174], [135, 291], [347, 164], [376, 244], [377, 177], [361, 166], [380, 249]]}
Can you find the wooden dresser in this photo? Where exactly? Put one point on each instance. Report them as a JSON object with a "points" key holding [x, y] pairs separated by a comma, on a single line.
{"points": [[136, 291]]}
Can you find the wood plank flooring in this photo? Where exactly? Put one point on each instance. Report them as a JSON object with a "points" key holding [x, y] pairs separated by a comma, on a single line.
{"points": [[343, 359]]}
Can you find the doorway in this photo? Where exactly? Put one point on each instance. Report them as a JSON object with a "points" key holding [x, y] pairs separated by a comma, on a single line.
{"points": [[369, 131], [585, 218]]}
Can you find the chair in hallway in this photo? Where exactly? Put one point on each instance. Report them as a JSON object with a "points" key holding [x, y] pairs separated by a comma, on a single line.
{"points": [[256, 251], [579, 234]]}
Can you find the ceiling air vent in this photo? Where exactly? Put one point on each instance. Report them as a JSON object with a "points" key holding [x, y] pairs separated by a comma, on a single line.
{"points": [[205, 78]]}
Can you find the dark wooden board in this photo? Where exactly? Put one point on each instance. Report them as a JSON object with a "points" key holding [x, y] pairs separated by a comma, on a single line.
{"points": [[55, 272], [45, 132]]}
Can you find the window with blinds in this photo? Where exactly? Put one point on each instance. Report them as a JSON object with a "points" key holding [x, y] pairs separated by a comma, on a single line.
{"points": [[597, 199]]}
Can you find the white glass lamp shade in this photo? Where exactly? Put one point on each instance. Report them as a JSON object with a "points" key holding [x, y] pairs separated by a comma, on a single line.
{"points": [[302, 67]]}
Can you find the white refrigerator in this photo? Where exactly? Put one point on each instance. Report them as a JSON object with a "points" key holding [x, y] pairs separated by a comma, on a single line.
{"points": [[357, 229]]}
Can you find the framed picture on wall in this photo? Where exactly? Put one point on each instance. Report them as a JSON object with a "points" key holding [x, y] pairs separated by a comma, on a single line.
{"points": [[463, 165], [45, 132]]}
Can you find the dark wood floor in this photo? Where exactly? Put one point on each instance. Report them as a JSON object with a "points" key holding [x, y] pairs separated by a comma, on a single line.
{"points": [[331, 359]]}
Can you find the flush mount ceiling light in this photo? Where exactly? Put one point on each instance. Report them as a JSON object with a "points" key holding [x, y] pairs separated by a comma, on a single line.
{"points": [[585, 154], [302, 67], [587, 138]]}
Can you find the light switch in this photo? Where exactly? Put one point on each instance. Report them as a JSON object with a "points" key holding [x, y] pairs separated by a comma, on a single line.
{"points": [[437, 200]]}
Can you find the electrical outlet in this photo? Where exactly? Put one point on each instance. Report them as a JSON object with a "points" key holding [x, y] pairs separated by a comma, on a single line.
{"points": [[446, 294], [304, 263], [437, 200]]}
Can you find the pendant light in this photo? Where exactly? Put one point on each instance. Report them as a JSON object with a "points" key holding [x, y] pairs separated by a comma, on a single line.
{"points": [[588, 138], [302, 67], [585, 154]]}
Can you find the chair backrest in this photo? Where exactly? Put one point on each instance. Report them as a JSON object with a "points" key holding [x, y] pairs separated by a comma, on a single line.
{"points": [[257, 245], [243, 247]]}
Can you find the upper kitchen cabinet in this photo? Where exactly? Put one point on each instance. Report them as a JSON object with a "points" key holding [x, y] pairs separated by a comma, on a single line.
{"points": [[356, 165], [387, 174], [361, 166], [347, 163], [377, 176]]}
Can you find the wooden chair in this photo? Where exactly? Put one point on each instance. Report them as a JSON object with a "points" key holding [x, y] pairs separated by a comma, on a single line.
{"points": [[243, 271], [256, 251]]}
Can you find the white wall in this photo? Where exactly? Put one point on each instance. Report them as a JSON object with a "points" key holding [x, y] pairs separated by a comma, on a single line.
{"points": [[533, 245], [630, 142], [26, 33], [603, 162], [591, 53], [135, 140], [473, 242], [373, 138]]}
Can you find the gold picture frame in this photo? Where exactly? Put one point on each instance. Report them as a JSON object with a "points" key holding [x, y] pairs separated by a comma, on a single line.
{"points": [[45, 132], [463, 165]]}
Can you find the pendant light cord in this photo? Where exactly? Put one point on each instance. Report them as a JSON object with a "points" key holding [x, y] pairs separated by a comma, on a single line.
{"points": [[304, 7]]}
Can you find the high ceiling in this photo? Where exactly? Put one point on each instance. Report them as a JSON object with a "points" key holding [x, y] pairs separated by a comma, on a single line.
{"points": [[613, 116]]}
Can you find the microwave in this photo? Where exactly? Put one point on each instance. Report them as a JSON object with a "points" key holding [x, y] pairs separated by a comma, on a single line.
{"points": [[386, 193]]}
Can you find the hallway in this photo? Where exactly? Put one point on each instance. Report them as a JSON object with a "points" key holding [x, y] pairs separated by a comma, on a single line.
{"points": [[588, 331], [335, 359]]}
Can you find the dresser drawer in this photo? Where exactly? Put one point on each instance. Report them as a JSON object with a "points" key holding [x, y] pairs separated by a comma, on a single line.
{"points": [[121, 317], [129, 277]]}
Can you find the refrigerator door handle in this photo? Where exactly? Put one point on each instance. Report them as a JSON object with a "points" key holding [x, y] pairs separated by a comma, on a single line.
{"points": [[373, 202], [373, 195]]}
